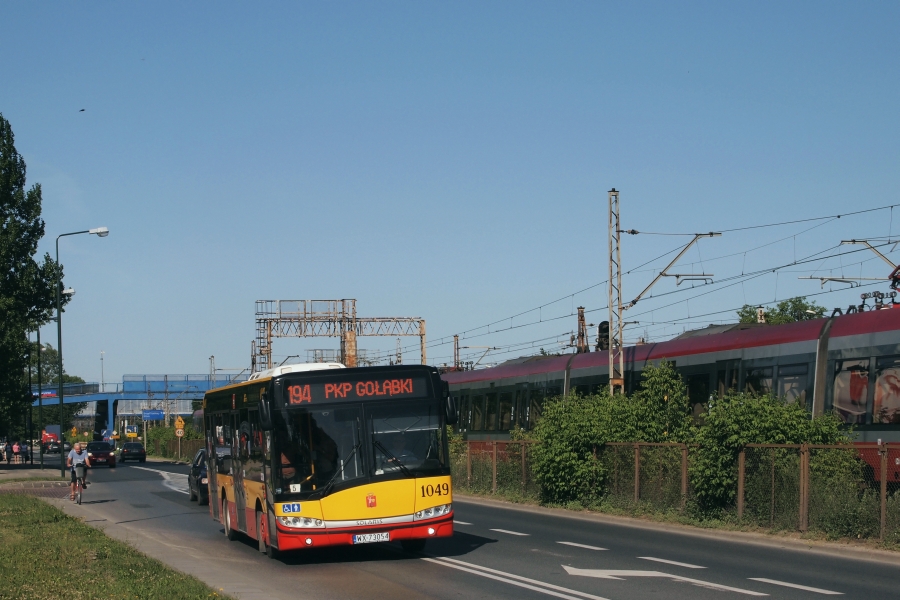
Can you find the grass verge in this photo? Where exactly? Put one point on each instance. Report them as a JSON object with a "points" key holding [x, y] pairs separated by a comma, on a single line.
{"points": [[46, 554]]}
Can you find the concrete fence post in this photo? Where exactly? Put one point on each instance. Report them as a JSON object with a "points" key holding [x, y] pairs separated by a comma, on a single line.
{"points": [[684, 475]]}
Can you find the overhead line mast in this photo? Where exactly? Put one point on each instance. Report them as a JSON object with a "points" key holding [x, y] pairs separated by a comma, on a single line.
{"points": [[615, 303]]}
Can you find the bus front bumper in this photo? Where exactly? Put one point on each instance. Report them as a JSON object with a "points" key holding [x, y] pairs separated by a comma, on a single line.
{"points": [[292, 539]]}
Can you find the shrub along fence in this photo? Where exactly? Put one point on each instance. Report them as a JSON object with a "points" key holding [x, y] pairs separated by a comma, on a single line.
{"points": [[849, 490]]}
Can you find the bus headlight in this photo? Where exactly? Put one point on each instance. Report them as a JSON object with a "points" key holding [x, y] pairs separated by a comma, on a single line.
{"points": [[301, 522], [436, 511]]}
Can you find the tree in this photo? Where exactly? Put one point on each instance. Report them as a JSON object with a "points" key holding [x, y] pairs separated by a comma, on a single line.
{"points": [[27, 293], [49, 367], [786, 311]]}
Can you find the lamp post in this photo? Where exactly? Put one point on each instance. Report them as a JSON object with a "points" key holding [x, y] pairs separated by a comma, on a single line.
{"points": [[99, 232], [41, 397]]}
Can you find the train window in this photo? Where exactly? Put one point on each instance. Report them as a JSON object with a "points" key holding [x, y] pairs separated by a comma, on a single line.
{"points": [[792, 383], [465, 412], [552, 390], [477, 413], [727, 376], [536, 400], [521, 408], [698, 393], [758, 380], [506, 406], [490, 412], [887, 390], [851, 390]]}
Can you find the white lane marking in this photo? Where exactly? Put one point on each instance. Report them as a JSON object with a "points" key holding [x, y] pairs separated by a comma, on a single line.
{"points": [[460, 522], [581, 545], [168, 480], [619, 574], [509, 532], [671, 562], [797, 586], [546, 588]]}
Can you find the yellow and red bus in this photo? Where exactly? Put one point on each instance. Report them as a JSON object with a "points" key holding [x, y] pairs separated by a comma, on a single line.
{"points": [[304, 456]]}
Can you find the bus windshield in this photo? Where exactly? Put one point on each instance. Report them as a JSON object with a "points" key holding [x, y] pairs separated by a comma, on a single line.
{"points": [[321, 448], [406, 438]]}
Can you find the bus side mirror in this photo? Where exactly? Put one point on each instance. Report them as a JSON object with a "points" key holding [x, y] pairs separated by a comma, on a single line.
{"points": [[450, 412], [265, 412]]}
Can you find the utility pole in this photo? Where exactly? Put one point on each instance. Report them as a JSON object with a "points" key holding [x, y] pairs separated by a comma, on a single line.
{"points": [[399, 353], [582, 346], [456, 351], [616, 327], [102, 382]]}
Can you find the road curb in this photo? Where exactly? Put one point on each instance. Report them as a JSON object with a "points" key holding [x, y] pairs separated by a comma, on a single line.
{"points": [[744, 537]]}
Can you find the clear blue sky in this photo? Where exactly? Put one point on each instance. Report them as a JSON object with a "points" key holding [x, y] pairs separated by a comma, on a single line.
{"points": [[442, 160]]}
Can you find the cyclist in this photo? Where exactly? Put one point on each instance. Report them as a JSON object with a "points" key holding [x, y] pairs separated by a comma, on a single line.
{"points": [[77, 456]]}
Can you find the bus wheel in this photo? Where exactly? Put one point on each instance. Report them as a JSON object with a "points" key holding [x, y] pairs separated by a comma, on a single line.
{"points": [[412, 546], [259, 532], [226, 521]]}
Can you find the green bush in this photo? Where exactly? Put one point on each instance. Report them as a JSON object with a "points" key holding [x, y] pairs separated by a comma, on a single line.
{"points": [[739, 419], [574, 428]]}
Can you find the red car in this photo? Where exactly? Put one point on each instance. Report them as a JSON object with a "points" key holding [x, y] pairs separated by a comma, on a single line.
{"points": [[101, 453], [133, 451]]}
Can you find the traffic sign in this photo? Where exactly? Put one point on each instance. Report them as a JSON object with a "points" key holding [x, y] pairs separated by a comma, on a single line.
{"points": [[179, 432], [131, 431], [152, 415], [179, 422]]}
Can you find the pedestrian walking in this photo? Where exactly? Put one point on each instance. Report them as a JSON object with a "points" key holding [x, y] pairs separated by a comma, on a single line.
{"points": [[16, 452], [9, 452]]}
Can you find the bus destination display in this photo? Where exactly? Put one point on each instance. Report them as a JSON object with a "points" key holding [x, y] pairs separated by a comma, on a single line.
{"points": [[355, 390]]}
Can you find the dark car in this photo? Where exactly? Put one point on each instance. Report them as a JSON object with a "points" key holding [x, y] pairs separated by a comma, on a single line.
{"points": [[197, 481], [101, 453], [133, 451], [53, 447]]}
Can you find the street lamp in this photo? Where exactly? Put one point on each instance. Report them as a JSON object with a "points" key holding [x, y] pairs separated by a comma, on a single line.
{"points": [[99, 232]]}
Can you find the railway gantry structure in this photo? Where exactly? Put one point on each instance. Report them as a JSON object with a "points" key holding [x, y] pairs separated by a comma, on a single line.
{"points": [[324, 318]]}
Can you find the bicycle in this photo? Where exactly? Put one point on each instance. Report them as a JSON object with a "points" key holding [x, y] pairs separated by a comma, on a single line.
{"points": [[79, 481]]}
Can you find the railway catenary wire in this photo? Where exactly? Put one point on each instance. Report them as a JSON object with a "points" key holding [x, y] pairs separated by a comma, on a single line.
{"points": [[828, 218], [739, 279]]}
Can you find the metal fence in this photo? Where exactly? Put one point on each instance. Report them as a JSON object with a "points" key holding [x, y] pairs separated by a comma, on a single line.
{"points": [[842, 491], [170, 449], [495, 468]]}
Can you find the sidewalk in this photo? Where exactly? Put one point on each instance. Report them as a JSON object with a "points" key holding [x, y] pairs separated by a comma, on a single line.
{"points": [[31, 471]]}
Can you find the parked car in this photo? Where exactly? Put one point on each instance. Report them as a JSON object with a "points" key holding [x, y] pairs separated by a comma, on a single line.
{"points": [[101, 453], [197, 480], [133, 451]]}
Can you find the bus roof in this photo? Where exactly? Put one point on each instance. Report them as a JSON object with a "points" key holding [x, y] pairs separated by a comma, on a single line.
{"points": [[296, 368]]}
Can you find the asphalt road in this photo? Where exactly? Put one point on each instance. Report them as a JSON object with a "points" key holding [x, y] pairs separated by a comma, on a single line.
{"points": [[497, 552]]}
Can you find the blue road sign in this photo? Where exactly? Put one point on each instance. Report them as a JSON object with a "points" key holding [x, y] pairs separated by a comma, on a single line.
{"points": [[152, 415]]}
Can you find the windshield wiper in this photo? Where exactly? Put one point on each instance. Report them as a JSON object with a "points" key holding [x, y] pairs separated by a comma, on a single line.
{"points": [[326, 489], [392, 458]]}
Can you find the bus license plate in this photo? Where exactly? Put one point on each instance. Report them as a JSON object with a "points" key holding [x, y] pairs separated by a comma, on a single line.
{"points": [[368, 538]]}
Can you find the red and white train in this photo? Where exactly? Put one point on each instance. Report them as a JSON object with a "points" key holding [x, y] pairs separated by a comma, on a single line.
{"points": [[848, 364]]}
